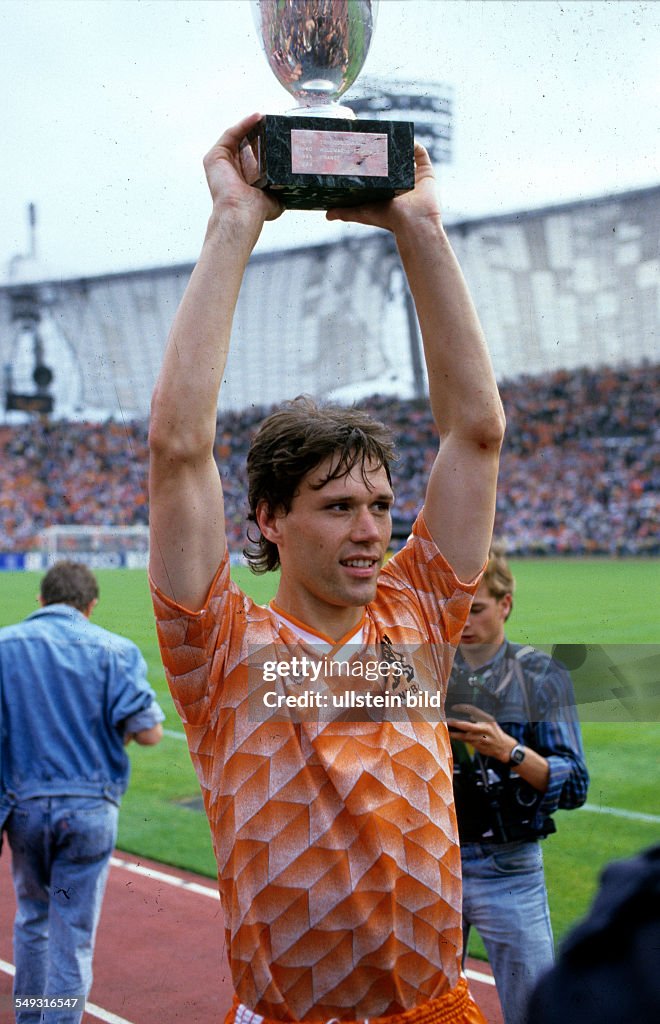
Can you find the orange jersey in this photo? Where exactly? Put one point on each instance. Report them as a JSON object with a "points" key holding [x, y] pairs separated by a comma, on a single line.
{"points": [[336, 840]]}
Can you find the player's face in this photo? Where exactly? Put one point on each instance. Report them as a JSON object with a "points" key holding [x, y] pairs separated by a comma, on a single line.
{"points": [[332, 544], [485, 623]]}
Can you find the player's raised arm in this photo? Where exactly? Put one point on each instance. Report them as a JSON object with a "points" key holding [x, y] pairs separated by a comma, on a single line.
{"points": [[460, 499], [185, 493]]}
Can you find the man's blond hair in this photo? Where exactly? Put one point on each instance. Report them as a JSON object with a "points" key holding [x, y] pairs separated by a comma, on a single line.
{"points": [[498, 577]]}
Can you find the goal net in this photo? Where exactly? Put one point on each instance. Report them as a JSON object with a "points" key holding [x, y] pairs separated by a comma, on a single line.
{"points": [[99, 547]]}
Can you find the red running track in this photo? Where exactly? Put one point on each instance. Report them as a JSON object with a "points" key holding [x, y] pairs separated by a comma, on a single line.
{"points": [[160, 950]]}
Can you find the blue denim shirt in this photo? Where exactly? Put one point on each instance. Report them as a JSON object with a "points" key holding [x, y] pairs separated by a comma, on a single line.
{"points": [[69, 692]]}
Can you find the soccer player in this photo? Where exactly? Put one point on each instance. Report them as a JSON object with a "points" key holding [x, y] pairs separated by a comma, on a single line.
{"points": [[336, 842]]}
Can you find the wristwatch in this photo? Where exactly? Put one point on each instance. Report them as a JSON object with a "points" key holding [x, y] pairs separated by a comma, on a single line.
{"points": [[517, 755]]}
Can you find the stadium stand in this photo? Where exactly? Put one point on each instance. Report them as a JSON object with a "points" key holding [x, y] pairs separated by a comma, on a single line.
{"points": [[580, 469], [562, 287], [569, 297]]}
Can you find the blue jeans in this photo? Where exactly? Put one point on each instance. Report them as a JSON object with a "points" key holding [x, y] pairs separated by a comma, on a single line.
{"points": [[505, 898], [61, 849]]}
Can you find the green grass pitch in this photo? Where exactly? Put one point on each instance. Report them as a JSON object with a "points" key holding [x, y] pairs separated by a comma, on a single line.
{"points": [[558, 601]]}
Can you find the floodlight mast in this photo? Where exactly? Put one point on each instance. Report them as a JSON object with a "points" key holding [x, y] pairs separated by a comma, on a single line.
{"points": [[26, 304], [32, 219]]}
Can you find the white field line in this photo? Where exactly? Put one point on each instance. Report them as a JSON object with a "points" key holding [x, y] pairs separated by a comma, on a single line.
{"points": [[174, 735], [90, 1008], [616, 812]]}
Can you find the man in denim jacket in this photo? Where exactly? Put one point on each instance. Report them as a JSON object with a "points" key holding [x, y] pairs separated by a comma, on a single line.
{"points": [[72, 695]]}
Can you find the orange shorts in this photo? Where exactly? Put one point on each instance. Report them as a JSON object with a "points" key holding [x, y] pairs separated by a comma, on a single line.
{"points": [[455, 1007]]}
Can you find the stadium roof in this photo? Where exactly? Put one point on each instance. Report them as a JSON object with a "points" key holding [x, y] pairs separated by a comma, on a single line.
{"points": [[561, 286]]}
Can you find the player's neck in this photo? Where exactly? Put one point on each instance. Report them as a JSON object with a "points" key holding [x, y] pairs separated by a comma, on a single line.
{"points": [[332, 621]]}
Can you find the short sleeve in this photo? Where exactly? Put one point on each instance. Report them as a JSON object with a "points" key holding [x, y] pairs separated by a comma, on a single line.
{"points": [[198, 648], [421, 576]]}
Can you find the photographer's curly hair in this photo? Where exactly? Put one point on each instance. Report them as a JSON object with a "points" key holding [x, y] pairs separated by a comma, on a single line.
{"points": [[293, 441]]}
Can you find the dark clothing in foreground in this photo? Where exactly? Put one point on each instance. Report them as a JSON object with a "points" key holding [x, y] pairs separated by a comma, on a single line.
{"points": [[607, 970]]}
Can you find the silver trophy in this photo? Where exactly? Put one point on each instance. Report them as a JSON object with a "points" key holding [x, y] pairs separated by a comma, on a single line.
{"points": [[306, 43], [318, 155]]}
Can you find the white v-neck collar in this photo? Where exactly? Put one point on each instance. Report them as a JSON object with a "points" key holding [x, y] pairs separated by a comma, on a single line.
{"points": [[316, 640]]}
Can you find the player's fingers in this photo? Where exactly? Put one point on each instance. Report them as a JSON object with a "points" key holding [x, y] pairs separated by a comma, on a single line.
{"points": [[275, 208], [227, 144], [371, 214], [423, 165]]}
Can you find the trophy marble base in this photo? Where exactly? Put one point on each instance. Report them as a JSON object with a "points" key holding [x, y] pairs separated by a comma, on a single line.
{"points": [[317, 163]]}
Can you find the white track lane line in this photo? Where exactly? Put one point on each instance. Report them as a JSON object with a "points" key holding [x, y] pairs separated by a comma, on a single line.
{"points": [[200, 890], [206, 890], [484, 979], [163, 876], [90, 1008]]}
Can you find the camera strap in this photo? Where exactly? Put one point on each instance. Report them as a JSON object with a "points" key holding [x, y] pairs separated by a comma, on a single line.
{"points": [[512, 667]]}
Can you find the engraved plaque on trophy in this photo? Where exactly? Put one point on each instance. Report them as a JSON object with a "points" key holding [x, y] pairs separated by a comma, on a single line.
{"points": [[318, 155]]}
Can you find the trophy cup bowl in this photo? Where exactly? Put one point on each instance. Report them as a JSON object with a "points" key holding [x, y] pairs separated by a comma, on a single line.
{"points": [[318, 155], [307, 47]]}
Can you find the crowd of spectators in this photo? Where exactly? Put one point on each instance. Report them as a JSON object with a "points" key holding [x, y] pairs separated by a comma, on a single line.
{"points": [[55, 473], [580, 469]]}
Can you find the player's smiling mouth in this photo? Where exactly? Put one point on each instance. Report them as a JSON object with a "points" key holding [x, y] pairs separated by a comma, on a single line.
{"points": [[363, 567]]}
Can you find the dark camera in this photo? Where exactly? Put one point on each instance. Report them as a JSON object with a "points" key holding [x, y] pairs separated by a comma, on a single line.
{"points": [[467, 687]]}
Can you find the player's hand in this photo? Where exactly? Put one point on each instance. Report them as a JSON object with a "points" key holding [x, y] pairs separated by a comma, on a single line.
{"points": [[229, 190], [482, 732], [419, 204]]}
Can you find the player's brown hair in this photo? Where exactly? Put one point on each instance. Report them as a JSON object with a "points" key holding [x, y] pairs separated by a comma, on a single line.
{"points": [[69, 583], [293, 441]]}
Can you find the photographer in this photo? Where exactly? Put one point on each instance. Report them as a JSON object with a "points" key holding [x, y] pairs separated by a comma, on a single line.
{"points": [[518, 757]]}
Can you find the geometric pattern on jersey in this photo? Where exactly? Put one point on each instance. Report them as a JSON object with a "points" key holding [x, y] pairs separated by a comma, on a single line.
{"points": [[336, 842]]}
